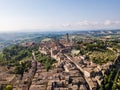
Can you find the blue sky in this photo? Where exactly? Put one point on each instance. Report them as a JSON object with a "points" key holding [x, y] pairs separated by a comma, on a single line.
{"points": [[21, 15]]}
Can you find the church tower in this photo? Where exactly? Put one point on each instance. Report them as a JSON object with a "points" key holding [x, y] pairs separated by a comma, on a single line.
{"points": [[67, 38]]}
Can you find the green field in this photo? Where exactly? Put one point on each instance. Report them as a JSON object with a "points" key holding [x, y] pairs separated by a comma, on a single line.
{"points": [[103, 57]]}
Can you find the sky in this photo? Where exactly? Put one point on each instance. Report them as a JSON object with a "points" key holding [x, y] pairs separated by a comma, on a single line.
{"points": [[50, 15]]}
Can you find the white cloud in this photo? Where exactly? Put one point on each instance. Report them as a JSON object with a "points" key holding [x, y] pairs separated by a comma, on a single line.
{"points": [[107, 23], [87, 23], [93, 25], [117, 22], [80, 25], [111, 23]]}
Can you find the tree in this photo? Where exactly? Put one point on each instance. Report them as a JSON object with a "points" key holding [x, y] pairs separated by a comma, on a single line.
{"points": [[19, 69], [8, 87], [107, 86]]}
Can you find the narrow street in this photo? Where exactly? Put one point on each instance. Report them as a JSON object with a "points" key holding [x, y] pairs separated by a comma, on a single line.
{"points": [[75, 63]]}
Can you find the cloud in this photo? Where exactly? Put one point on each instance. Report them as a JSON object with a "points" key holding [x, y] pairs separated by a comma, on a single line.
{"points": [[87, 23], [107, 24], [80, 25], [113, 23]]}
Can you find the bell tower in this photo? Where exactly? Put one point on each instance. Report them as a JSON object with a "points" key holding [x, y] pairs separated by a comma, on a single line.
{"points": [[67, 38]]}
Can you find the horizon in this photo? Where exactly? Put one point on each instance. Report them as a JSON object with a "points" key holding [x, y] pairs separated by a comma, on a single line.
{"points": [[50, 31], [60, 15]]}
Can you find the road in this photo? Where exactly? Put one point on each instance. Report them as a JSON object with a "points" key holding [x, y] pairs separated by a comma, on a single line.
{"points": [[75, 63], [33, 54]]}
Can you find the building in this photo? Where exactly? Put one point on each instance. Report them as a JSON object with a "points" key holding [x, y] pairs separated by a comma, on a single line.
{"points": [[67, 38]]}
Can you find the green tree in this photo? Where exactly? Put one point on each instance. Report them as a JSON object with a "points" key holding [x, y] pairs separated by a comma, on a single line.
{"points": [[107, 86], [8, 87]]}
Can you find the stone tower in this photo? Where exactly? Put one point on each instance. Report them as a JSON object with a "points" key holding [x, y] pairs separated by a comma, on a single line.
{"points": [[67, 38]]}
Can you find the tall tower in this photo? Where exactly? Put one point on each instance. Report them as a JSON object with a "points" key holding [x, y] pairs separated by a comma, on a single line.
{"points": [[67, 38]]}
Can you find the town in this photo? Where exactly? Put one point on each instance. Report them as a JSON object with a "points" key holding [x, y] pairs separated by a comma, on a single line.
{"points": [[64, 68]]}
